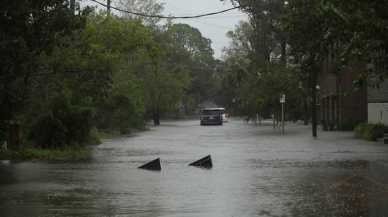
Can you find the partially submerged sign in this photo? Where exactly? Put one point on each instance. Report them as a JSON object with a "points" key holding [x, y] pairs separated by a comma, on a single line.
{"points": [[153, 165], [203, 162]]}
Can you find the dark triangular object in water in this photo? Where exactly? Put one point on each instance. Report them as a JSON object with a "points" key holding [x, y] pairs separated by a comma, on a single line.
{"points": [[203, 162], [153, 165]]}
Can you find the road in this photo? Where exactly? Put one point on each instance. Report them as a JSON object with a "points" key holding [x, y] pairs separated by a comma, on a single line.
{"points": [[256, 172]]}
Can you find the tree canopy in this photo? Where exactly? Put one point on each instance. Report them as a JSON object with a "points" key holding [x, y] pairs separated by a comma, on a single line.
{"points": [[28, 29], [365, 27]]}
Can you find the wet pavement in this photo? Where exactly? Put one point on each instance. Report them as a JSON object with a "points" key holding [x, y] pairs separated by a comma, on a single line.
{"points": [[256, 172]]}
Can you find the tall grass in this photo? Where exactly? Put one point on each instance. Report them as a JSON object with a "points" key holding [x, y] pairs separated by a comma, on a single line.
{"points": [[370, 131], [30, 152]]}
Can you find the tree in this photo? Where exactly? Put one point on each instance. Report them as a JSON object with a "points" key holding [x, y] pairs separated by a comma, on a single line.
{"points": [[158, 89], [310, 41], [365, 26], [265, 18], [149, 7], [261, 93], [226, 89], [241, 40], [72, 89], [122, 112], [28, 28], [189, 50], [63, 119]]}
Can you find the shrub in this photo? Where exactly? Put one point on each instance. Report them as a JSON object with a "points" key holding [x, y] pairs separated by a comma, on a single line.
{"points": [[62, 120], [349, 124], [324, 125], [331, 125], [28, 151], [370, 131]]}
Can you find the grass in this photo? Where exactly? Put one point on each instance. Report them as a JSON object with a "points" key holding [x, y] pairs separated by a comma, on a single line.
{"points": [[24, 153]]}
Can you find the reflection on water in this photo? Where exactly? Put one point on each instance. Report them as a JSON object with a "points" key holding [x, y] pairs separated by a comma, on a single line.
{"points": [[255, 172]]}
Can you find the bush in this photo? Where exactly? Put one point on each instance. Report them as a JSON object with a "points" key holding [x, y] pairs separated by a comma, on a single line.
{"points": [[28, 151], [331, 125], [370, 131], [299, 122], [62, 120], [349, 124], [324, 125]]}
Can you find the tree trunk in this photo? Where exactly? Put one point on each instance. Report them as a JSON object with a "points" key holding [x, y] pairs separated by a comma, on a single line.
{"points": [[156, 117], [305, 113], [72, 6], [337, 114], [314, 103], [277, 119]]}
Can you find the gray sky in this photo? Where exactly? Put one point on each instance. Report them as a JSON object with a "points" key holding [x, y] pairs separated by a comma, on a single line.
{"points": [[214, 27]]}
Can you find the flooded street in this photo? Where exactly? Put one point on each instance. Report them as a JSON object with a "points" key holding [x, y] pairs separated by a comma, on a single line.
{"points": [[256, 172]]}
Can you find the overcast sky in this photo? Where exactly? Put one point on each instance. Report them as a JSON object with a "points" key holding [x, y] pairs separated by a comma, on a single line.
{"points": [[214, 27]]}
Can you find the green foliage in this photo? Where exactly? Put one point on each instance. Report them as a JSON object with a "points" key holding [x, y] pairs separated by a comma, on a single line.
{"points": [[240, 41], [299, 122], [183, 73], [267, 36], [33, 153], [363, 26], [349, 123], [226, 90], [262, 91], [29, 28], [187, 51], [370, 131], [331, 124], [324, 125], [75, 98], [122, 112], [63, 120], [149, 7], [315, 27]]}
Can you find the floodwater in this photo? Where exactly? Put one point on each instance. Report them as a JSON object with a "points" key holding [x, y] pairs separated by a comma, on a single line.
{"points": [[256, 172]]}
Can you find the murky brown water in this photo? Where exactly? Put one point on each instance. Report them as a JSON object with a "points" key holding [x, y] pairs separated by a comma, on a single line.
{"points": [[256, 172]]}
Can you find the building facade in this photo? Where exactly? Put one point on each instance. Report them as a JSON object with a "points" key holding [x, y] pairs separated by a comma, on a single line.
{"points": [[378, 104], [342, 107]]}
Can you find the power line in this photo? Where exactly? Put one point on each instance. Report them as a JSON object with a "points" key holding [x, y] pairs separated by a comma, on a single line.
{"points": [[193, 67], [164, 17], [197, 19]]}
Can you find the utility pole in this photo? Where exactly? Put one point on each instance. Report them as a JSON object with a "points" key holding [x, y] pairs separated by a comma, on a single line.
{"points": [[72, 6], [108, 8]]}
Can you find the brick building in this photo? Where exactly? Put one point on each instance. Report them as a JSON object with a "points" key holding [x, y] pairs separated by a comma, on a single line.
{"points": [[353, 106]]}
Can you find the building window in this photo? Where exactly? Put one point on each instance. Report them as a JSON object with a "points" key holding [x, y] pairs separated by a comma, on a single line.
{"points": [[380, 58]]}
